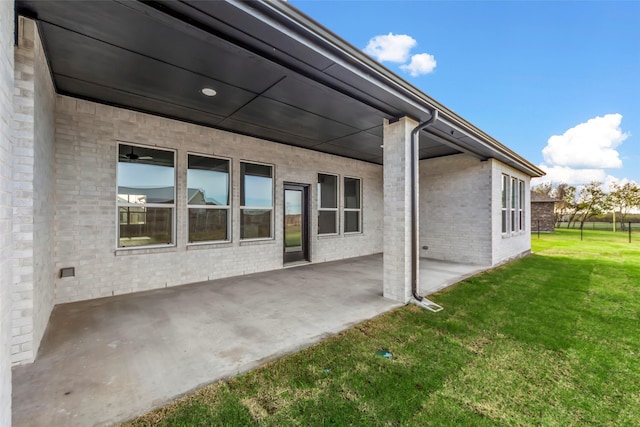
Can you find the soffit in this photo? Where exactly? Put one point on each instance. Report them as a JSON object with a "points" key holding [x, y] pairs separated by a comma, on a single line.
{"points": [[156, 57]]}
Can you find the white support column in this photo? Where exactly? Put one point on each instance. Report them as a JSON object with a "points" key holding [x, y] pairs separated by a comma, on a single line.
{"points": [[397, 209], [6, 204]]}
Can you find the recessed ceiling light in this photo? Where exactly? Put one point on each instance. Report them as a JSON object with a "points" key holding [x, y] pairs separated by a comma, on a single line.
{"points": [[207, 91]]}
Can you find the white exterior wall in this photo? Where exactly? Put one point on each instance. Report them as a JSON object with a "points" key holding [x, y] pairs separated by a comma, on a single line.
{"points": [[87, 136], [34, 105], [397, 210], [511, 245], [455, 209], [6, 167]]}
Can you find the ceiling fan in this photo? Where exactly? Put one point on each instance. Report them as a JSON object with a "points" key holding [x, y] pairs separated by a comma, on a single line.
{"points": [[133, 156]]}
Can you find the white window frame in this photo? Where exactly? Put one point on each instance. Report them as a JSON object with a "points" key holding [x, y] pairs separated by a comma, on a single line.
{"points": [[173, 206], [345, 209], [513, 206], [505, 203], [336, 209], [273, 200], [227, 207], [521, 211]]}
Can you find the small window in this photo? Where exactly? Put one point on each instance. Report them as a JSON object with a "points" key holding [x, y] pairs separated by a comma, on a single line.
{"points": [[256, 201], [514, 204], [208, 199], [146, 196], [505, 203], [327, 204], [521, 207], [352, 206]]}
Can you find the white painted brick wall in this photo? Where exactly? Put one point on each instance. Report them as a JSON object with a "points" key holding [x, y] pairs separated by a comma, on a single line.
{"points": [[33, 193], [397, 210], [6, 166], [85, 205], [455, 209], [512, 245]]}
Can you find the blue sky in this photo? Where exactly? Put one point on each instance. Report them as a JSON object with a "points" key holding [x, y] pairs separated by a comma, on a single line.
{"points": [[563, 77]]}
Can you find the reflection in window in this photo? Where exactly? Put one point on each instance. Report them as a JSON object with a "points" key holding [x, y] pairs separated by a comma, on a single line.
{"points": [[256, 201], [146, 196], [208, 199], [352, 206], [327, 204]]}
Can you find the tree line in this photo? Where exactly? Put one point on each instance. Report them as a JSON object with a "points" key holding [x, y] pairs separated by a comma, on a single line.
{"points": [[576, 204]]}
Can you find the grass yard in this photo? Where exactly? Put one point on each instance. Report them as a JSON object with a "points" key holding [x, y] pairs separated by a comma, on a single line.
{"points": [[552, 340]]}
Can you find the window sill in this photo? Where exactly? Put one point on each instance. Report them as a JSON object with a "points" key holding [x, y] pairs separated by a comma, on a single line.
{"points": [[352, 233], [328, 236], [145, 250], [196, 246], [254, 242]]}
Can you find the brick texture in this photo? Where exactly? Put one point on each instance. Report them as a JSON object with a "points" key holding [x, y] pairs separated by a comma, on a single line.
{"points": [[33, 194], [542, 212], [455, 209], [397, 210], [87, 135], [513, 245], [6, 168]]}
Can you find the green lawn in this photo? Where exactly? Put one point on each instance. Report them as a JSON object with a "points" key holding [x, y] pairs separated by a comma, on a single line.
{"points": [[551, 340]]}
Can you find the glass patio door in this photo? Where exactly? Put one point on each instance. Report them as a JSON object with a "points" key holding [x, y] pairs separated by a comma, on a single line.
{"points": [[296, 223]]}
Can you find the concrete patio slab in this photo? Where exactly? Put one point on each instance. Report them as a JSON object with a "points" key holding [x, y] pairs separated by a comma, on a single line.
{"points": [[436, 275], [108, 360]]}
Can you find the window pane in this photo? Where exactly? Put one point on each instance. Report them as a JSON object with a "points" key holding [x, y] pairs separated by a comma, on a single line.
{"points": [[327, 191], [207, 181], [351, 193], [140, 226], [513, 220], [514, 192], [208, 225], [256, 185], [327, 222], [145, 175], [504, 221], [255, 223], [505, 190], [351, 221]]}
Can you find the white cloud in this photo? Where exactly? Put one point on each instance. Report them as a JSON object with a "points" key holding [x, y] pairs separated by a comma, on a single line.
{"points": [[582, 153], [390, 47], [422, 63], [557, 174], [588, 145]]}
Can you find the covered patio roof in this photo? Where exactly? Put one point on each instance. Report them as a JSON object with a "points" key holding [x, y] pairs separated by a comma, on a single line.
{"points": [[277, 74]]}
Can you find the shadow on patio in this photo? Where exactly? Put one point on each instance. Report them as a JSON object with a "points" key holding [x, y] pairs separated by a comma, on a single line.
{"points": [[108, 360]]}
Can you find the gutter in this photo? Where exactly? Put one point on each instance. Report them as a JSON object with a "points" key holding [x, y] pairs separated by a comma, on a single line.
{"points": [[414, 201]]}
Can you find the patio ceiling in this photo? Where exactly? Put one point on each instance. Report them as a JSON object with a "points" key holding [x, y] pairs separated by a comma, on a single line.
{"points": [[278, 74]]}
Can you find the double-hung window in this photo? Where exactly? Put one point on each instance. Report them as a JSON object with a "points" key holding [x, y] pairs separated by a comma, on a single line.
{"points": [[146, 196], [352, 205], [514, 204], [256, 201], [208, 198], [521, 206], [505, 203], [327, 204]]}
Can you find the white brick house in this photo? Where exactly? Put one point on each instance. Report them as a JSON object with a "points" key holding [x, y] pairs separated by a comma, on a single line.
{"points": [[101, 98]]}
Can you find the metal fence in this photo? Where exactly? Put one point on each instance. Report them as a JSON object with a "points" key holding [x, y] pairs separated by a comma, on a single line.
{"points": [[630, 228]]}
